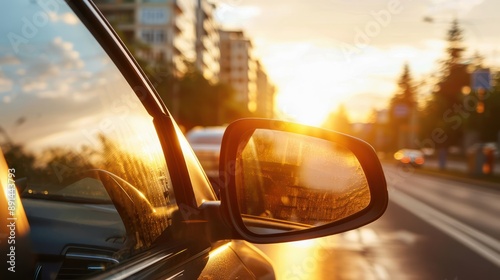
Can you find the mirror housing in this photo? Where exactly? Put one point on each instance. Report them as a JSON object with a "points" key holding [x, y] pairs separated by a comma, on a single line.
{"points": [[261, 137]]}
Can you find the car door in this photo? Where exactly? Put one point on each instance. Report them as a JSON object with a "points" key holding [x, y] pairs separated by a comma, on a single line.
{"points": [[96, 190]]}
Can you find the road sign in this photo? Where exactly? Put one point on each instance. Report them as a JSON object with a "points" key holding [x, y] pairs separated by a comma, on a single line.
{"points": [[481, 79]]}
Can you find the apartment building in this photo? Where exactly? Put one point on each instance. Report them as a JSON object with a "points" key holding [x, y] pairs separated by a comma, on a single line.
{"points": [[265, 93], [238, 67], [173, 32], [207, 41], [169, 31]]}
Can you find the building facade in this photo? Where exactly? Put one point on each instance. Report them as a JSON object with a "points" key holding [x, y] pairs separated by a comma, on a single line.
{"points": [[238, 67], [180, 33], [166, 32], [265, 93], [207, 41]]}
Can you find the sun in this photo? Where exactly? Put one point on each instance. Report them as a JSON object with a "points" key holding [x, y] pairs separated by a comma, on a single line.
{"points": [[303, 109], [311, 85], [309, 101]]}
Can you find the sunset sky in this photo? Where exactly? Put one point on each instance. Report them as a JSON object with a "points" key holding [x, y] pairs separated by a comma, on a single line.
{"points": [[324, 53]]}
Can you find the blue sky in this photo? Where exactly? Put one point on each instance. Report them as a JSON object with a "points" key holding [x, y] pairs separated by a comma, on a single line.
{"points": [[53, 68]]}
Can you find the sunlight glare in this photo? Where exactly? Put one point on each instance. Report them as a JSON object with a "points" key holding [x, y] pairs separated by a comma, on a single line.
{"points": [[303, 109], [314, 84], [310, 94], [143, 140]]}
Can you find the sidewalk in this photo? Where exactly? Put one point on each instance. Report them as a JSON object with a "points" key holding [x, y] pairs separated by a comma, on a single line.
{"points": [[457, 170], [457, 165]]}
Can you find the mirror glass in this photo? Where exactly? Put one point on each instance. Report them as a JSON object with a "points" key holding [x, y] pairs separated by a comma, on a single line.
{"points": [[288, 181]]}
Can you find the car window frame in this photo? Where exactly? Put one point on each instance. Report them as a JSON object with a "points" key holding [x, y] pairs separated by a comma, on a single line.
{"points": [[166, 128]]}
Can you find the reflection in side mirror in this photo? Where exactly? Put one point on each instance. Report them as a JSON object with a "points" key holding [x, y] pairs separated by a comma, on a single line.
{"points": [[284, 181], [290, 181]]}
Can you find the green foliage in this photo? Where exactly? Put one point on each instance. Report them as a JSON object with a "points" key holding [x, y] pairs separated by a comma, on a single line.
{"points": [[194, 101], [191, 99], [447, 94], [402, 110], [485, 122]]}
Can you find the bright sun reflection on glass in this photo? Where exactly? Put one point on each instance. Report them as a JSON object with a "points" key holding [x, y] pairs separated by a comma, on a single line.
{"points": [[142, 139]]}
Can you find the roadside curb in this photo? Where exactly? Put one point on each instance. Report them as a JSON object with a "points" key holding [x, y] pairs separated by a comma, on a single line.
{"points": [[478, 182]]}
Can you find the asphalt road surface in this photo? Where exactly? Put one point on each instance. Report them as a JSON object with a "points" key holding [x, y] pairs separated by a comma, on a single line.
{"points": [[434, 228]]}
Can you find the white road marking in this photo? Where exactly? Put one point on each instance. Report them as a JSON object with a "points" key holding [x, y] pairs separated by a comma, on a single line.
{"points": [[368, 236], [477, 241], [381, 272]]}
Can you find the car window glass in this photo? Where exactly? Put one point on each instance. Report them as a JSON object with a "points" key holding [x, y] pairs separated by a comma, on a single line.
{"points": [[89, 166]]}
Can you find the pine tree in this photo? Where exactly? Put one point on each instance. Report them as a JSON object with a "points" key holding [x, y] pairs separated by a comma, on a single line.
{"points": [[406, 92], [454, 71], [402, 110], [447, 95]]}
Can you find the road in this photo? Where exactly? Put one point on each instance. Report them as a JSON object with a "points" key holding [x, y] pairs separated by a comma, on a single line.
{"points": [[433, 229]]}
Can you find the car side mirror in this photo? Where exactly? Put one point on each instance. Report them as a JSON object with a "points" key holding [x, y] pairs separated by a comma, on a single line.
{"points": [[286, 181]]}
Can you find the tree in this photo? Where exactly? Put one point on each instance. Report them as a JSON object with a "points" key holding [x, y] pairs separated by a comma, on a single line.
{"points": [[485, 120], [402, 112], [493, 107], [194, 101], [454, 71], [447, 95], [191, 99]]}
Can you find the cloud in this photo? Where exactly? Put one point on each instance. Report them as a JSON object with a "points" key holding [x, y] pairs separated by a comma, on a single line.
{"points": [[5, 84], [452, 7], [48, 75], [6, 99], [34, 85], [21, 72], [233, 15], [9, 60], [57, 57], [69, 58], [67, 18]]}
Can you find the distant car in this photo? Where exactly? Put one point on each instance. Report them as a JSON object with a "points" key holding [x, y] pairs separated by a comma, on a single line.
{"points": [[206, 143], [410, 157]]}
